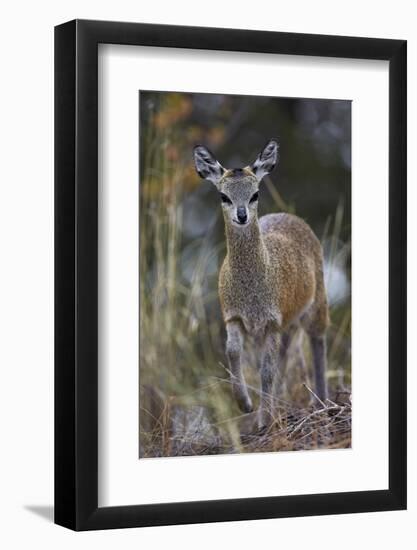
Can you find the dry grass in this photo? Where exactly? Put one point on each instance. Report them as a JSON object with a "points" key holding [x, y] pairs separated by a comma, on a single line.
{"points": [[181, 431]]}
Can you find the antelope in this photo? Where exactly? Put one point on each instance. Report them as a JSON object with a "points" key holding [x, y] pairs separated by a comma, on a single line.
{"points": [[271, 280]]}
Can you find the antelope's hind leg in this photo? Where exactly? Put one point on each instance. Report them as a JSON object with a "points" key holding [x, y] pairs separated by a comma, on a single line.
{"points": [[316, 322], [234, 349], [316, 327], [268, 369], [281, 382], [286, 339], [319, 351]]}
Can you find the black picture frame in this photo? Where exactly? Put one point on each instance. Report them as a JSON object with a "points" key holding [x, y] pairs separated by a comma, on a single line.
{"points": [[76, 272]]}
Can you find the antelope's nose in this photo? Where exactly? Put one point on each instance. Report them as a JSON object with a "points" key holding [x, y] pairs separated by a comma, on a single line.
{"points": [[241, 214]]}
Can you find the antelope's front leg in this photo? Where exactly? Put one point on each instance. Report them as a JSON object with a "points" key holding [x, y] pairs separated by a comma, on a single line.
{"points": [[234, 349], [269, 365]]}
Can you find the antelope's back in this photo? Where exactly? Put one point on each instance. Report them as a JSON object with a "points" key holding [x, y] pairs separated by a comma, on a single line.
{"points": [[296, 262], [292, 230]]}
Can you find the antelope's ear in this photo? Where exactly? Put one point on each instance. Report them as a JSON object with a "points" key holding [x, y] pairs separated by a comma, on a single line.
{"points": [[206, 165], [266, 160]]}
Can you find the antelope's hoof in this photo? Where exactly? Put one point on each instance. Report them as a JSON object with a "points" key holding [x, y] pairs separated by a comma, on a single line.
{"points": [[265, 421], [248, 407], [261, 429], [245, 404], [242, 397]]}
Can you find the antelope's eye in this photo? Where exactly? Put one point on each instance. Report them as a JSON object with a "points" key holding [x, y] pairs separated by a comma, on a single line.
{"points": [[225, 198], [254, 197]]}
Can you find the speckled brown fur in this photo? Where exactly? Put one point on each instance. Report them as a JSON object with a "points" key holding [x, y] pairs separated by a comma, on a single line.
{"points": [[271, 279]]}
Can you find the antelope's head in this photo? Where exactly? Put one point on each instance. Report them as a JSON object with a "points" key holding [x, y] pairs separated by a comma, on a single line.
{"points": [[238, 187]]}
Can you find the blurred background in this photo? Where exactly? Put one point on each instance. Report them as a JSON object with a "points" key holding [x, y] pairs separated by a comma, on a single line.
{"points": [[186, 407]]}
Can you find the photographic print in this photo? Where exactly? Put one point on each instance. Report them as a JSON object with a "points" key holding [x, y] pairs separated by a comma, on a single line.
{"points": [[245, 274], [203, 275]]}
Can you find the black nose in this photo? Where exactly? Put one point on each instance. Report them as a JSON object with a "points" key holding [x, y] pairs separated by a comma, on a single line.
{"points": [[241, 214]]}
